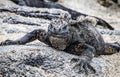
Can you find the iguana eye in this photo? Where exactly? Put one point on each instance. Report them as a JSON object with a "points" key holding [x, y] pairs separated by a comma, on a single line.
{"points": [[52, 28], [64, 28], [50, 25]]}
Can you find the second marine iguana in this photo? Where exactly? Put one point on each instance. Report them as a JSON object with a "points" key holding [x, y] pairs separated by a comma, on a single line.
{"points": [[52, 4]]}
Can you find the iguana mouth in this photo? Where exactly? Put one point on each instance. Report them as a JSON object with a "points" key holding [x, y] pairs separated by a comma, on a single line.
{"points": [[64, 35]]}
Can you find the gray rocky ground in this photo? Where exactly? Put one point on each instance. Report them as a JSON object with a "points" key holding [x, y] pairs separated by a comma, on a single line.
{"points": [[36, 59]]}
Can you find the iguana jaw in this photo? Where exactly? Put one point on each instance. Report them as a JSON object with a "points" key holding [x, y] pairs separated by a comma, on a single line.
{"points": [[59, 43]]}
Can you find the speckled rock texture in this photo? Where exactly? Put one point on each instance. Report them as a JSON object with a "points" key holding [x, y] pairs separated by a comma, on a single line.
{"points": [[37, 59]]}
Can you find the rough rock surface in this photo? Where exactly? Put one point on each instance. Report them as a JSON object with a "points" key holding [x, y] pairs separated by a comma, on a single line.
{"points": [[39, 60]]}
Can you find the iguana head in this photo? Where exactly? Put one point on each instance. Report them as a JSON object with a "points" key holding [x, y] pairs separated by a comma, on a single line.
{"points": [[59, 33]]}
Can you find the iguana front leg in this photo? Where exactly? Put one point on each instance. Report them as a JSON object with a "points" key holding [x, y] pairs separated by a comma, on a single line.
{"points": [[29, 37], [86, 53]]}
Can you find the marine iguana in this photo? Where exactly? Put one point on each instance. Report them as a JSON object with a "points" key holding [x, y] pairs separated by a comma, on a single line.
{"points": [[75, 37]]}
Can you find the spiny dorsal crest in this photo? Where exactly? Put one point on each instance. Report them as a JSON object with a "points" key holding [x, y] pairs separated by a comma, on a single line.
{"points": [[58, 22], [87, 19]]}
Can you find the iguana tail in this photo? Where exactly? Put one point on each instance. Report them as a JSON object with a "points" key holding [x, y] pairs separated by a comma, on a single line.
{"points": [[104, 23]]}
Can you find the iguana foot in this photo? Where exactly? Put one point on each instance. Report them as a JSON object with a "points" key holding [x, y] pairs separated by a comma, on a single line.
{"points": [[83, 66], [6, 42]]}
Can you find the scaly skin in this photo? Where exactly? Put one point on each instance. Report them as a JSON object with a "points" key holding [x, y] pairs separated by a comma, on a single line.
{"points": [[75, 37]]}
